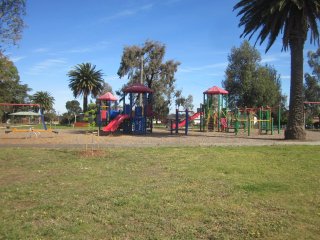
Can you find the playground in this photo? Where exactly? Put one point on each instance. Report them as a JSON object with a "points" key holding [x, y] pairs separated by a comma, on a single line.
{"points": [[133, 126]]}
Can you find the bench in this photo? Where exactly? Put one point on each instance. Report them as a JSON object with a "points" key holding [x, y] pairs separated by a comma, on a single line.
{"points": [[81, 124]]}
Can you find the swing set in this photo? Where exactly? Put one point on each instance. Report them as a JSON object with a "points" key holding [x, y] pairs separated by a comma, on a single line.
{"points": [[29, 130]]}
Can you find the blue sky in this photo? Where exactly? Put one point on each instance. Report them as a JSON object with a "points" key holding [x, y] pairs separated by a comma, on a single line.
{"points": [[198, 33]]}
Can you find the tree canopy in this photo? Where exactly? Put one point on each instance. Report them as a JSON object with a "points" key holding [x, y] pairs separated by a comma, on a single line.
{"points": [[185, 102], [293, 18], [106, 88], [73, 108], [248, 82], [157, 74], [45, 100], [85, 80], [11, 21], [11, 89], [312, 83]]}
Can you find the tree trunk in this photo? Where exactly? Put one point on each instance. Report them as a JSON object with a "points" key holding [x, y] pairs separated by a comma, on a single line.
{"points": [[295, 128], [85, 103]]}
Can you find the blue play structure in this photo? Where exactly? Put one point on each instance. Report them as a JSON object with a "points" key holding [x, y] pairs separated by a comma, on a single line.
{"points": [[139, 109], [136, 117]]}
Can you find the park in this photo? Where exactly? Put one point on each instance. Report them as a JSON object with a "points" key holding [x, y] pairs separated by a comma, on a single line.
{"points": [[238, 159], [131, 185]]}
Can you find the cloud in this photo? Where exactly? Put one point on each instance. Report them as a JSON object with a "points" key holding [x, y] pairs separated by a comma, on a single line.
{"points": [[46, 65], [275, 57], [17, 58], [205, 67], [92, 48], [269, 59], [41, 50], [127, 13]]}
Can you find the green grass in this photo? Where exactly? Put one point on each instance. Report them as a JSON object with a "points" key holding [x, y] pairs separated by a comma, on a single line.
{"points": [[161, 193]]}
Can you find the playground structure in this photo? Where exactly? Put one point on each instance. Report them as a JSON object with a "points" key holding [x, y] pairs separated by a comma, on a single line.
{"points": [[215, 109], [137, 116], [253, 118], [213, 112], [105, 113], [217, 116], [29, 130]]}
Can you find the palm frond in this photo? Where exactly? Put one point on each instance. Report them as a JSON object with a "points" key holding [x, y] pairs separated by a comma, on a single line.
{"points": [[269, 18]]}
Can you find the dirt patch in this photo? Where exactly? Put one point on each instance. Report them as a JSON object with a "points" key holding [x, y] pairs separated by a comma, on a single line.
{"points": [[160, 137], [90, 152]]}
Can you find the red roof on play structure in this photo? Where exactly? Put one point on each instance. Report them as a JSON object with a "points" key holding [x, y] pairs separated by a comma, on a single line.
{"points": [[108, 97], [137, 88], [215, 90]]}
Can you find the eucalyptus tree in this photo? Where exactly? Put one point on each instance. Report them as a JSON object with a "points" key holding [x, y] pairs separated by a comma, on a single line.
{"points": [[73, 108], [188, 104], [106, 88], [248, 82], [145, 64], [293, 19], [85, 80], [11, 88], [11, 21], [312, 83]]}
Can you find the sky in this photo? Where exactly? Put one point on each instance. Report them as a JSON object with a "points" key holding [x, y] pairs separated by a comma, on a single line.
{"points": [[197, 33]]}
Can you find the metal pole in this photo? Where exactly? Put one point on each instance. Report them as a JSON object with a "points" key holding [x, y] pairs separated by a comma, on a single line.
{"points": [[201, 117], [249, 123], [177, 121], [141, 80], [279, 119], [187, 122], [260, 116], [219, 106], [237, 122], [205, 112]]}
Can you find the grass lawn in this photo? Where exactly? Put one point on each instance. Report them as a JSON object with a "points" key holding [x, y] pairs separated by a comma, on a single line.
{"points": [[161, 193]]}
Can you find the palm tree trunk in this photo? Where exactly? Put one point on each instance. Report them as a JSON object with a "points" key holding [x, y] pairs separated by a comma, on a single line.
{"points": [[85, 103], [295, 127]]}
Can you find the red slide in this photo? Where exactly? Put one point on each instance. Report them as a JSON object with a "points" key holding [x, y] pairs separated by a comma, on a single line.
{"points": [[114, 124], [183, 123]]}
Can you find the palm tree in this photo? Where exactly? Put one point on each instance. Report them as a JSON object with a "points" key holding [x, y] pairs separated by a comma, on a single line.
{"points": [[85, 80], [293, 18], [45, 100]]}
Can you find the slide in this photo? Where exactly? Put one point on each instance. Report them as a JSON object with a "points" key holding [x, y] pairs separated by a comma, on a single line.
{"points": [[183, 123], [114, 124]]}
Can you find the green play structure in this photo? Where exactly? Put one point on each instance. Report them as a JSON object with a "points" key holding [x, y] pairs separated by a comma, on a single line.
{"points": [[260, 118], [215, 109], [218, 117]]}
